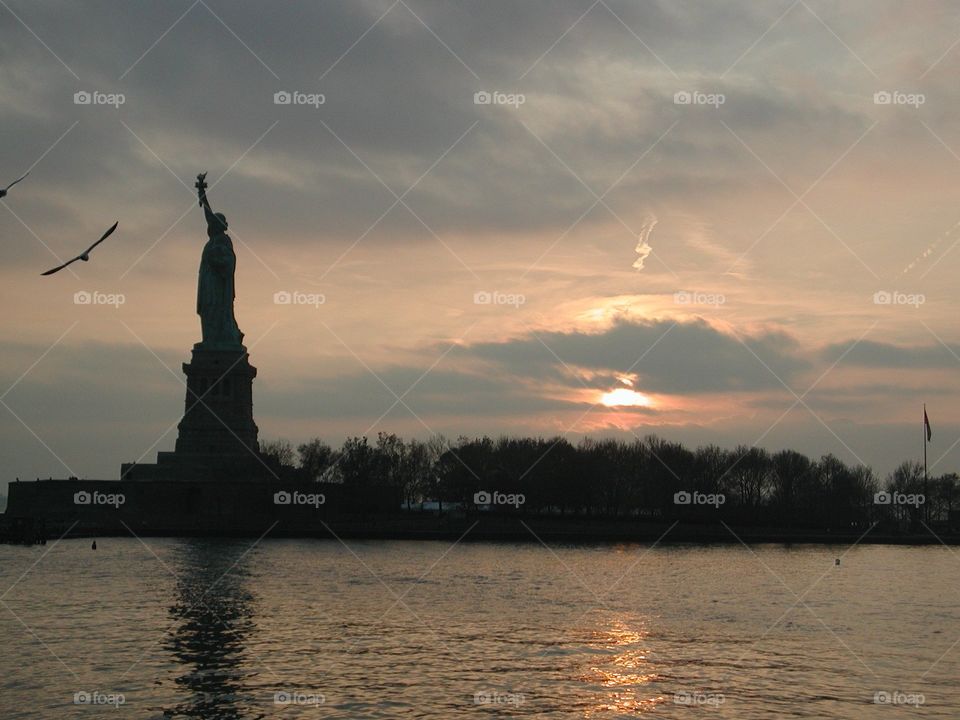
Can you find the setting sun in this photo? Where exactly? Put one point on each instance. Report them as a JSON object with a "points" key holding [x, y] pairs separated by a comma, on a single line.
{"points": [[624, 397]]}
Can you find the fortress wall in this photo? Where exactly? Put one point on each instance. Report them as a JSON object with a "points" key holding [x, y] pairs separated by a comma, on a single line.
{"points": [[189, 508]]}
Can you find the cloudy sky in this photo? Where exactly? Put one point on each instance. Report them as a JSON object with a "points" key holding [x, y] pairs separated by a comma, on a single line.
{"points": [[718, 222]]}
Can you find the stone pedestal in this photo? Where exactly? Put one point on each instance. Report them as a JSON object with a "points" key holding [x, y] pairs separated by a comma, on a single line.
{"points": [[217, 437], [218, 411]]}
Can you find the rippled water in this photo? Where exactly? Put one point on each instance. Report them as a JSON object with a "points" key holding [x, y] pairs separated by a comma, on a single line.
{"points": [[374, 629]]}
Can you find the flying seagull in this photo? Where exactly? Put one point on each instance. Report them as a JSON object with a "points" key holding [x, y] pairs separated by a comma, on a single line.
{"points": [[3, 191], [85, 255]]}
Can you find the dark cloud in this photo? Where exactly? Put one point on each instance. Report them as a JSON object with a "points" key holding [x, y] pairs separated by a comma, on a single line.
{"points": [[199, 99], [77, 383], [869, 353], [671, 358]]}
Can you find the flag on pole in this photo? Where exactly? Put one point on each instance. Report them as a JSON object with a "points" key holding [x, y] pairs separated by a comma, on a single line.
{"points": [[926, 424]]}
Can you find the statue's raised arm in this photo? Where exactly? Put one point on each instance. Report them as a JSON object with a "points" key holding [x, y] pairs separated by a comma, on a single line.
{"points": [[216, 222]]}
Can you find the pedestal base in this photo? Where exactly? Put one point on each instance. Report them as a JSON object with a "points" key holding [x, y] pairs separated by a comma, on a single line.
{"points": [[217, 437], [218, 411]]}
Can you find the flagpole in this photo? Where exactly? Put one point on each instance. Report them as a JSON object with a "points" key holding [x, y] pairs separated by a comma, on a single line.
{"points": [[926, 495]]}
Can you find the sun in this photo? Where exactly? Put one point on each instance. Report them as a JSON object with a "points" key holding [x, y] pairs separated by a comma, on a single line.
{"points": [[625, 397]]}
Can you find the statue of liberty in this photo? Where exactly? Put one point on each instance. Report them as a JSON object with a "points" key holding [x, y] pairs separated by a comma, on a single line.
{"points": [[215, 286]]}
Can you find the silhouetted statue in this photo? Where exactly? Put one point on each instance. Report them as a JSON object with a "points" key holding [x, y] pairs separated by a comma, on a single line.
{"points": [[215, 286]]}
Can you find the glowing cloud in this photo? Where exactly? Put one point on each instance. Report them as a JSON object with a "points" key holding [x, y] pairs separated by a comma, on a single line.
{"points": [[643, 248]]}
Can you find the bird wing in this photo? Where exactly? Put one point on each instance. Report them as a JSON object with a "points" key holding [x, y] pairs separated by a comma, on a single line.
{"points": [[17, 180], [103, 237], [60, 267]]}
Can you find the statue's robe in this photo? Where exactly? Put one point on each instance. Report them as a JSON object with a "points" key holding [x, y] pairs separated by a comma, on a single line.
{"points": [[215, 294]]}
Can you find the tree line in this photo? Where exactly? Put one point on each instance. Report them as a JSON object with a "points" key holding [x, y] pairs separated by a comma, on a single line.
{"points": [[641, 478]]}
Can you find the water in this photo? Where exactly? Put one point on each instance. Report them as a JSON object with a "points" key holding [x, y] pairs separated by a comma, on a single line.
{"points": [[373, 629]]}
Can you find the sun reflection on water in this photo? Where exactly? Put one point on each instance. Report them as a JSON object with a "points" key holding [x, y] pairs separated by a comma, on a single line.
{"points": [[625, 670]]}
